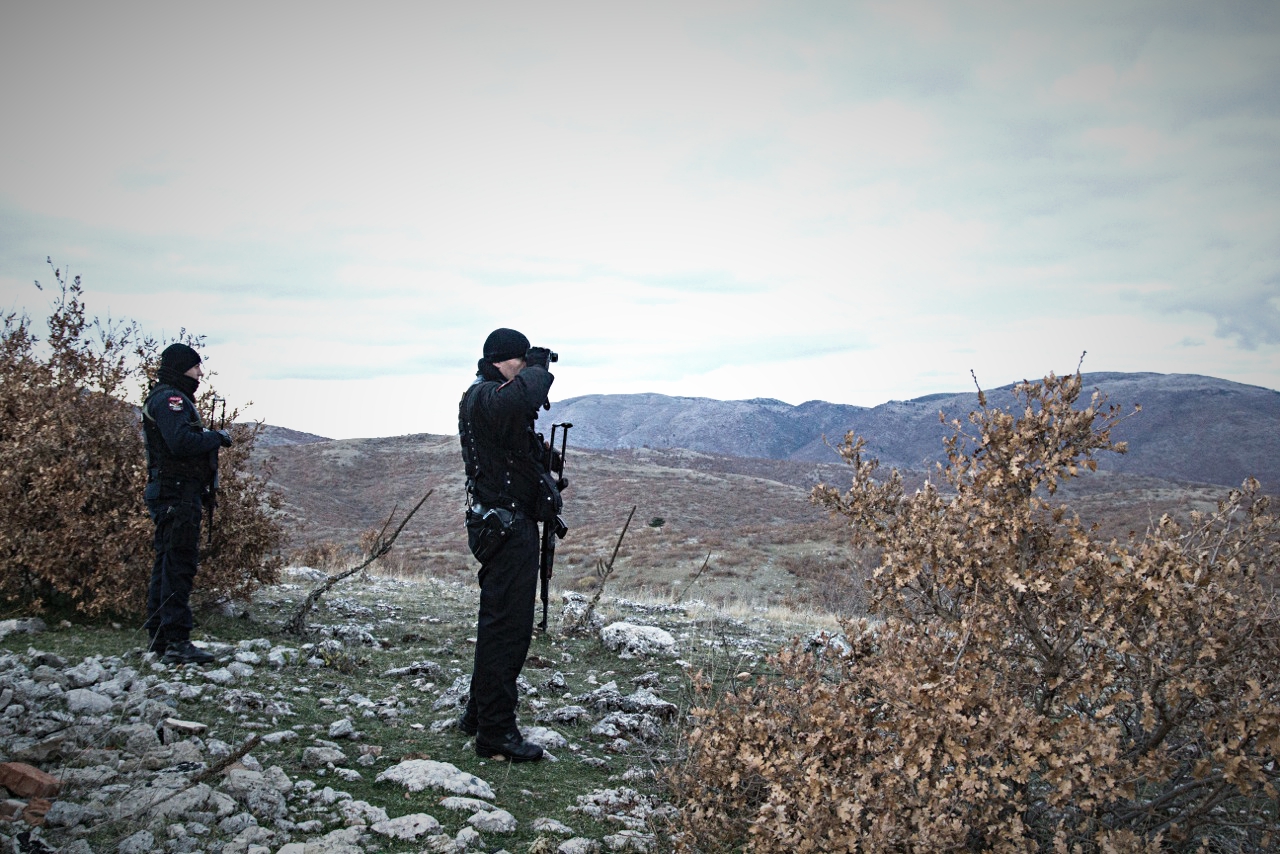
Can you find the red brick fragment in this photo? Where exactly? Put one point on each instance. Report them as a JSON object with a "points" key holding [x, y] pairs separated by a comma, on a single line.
{"points": [[26, 781], [35, 811]]}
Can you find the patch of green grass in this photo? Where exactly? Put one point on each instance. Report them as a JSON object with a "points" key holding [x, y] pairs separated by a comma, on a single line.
{"points": [[415, 621]]}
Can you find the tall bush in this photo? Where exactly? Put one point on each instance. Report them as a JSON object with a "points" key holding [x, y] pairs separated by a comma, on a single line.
{"points": [[1029, 688], [74, 532]]}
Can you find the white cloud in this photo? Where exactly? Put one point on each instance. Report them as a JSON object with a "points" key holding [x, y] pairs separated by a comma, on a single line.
{"points": [[853, 202]]}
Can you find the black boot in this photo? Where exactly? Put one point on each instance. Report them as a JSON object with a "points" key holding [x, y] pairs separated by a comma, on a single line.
{"points": [[185, 652], [157, 645], [512, 746], [467, 724]]}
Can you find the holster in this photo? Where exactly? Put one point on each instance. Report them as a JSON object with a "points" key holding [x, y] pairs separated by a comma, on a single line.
{"points": [[488, 530]]}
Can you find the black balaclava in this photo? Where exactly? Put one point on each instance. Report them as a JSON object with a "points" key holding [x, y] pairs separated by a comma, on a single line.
{"points": [[175, 361], [502, 344]]}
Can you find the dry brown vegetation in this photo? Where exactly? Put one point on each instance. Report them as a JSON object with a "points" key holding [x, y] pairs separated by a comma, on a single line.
{"points": [[755, 528], [768, 544], [1031, 688], [74, 532]]}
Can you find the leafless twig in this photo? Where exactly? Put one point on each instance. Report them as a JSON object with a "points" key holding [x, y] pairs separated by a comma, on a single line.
{"points": [[694, 580], [603, 571], [297, 624]]}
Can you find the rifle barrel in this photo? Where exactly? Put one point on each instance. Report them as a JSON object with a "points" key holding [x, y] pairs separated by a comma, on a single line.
{"points": [[555, 528]]}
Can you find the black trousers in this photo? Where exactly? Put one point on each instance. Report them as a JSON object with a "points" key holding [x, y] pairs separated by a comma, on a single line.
{"points": [[177, 544], [504, 629]]}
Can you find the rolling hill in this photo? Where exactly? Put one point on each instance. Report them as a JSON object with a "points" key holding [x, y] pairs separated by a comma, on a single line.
{"points": [[721, 488], [1192, 428]]}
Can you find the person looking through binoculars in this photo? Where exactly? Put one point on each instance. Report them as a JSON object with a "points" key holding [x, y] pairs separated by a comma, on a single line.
{"points": [[509, 491]]}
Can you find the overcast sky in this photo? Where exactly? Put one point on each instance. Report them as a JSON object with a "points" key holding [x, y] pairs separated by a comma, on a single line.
{"points": [[847, 201]]}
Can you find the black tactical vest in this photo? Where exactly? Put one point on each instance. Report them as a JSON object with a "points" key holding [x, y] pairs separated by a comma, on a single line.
{"points": [[497, 476], [163, 464]]}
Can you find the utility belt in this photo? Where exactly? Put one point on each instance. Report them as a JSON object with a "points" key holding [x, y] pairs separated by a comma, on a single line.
{"points": [[170, 487]]}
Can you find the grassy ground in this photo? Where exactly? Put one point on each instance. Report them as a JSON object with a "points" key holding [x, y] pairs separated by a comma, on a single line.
{"points": [[392, 623]]}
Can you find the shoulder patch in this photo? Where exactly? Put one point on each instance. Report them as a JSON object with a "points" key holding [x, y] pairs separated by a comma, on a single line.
{"points": [[175, 403]]}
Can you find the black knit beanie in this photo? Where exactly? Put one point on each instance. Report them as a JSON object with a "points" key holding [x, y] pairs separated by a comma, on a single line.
{"points": [[175, 361], [503, 344], [179, 358]]}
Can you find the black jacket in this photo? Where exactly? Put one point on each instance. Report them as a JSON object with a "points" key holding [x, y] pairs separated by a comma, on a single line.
{"points": [[503, 454], [181, 454]]}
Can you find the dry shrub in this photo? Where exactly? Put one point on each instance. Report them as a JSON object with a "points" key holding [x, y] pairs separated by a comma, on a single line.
{"points": [[833, 583], [1030, 688], [326, 555], [790, 533], [74, 532], [241, 552]]}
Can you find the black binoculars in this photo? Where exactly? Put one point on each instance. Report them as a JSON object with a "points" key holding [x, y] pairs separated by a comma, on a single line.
{"points": [[540, 356]]}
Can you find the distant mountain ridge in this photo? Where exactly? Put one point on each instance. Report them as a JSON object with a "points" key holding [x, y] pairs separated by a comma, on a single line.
{"points": [[273, 436], [1191, 428], [1195, 437]]}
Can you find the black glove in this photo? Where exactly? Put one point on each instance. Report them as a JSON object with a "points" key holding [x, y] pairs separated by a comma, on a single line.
{"points": [[539, 356], [225, 437]]}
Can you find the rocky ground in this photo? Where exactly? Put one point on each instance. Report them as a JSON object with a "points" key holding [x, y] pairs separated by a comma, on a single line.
{"points": [[343, 739]]}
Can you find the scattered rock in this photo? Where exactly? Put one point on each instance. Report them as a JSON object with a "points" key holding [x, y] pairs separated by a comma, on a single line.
{"points": [[35, 810], [618, 724], [319, 757], [548, 739], [629, 840], [566, 715], [90, 672], [361, 813], [419, 774], [632, 641], [174, 729], [407, 826], [126, 737], [26, 781], [550, 825], [429, 669], [142, 842], [84, 701], [465, 804], [493, 821], [29, 625]]}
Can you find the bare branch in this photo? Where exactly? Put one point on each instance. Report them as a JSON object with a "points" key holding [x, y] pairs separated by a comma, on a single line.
{"points": [[603, 571], [695, 578], [297, 624]]}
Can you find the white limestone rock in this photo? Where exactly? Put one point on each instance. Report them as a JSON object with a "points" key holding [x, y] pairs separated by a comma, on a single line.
{"points": [[632, 641], [84, 701], [419, 774], [407, 826], [493, 821]]}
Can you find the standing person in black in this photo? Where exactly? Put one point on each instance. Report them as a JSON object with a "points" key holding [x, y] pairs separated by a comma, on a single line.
{"points": [[505, 459], [182, 458]]}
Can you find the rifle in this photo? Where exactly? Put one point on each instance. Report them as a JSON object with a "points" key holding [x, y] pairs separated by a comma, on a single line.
{"points": [[551, 531], [213, 464]]}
